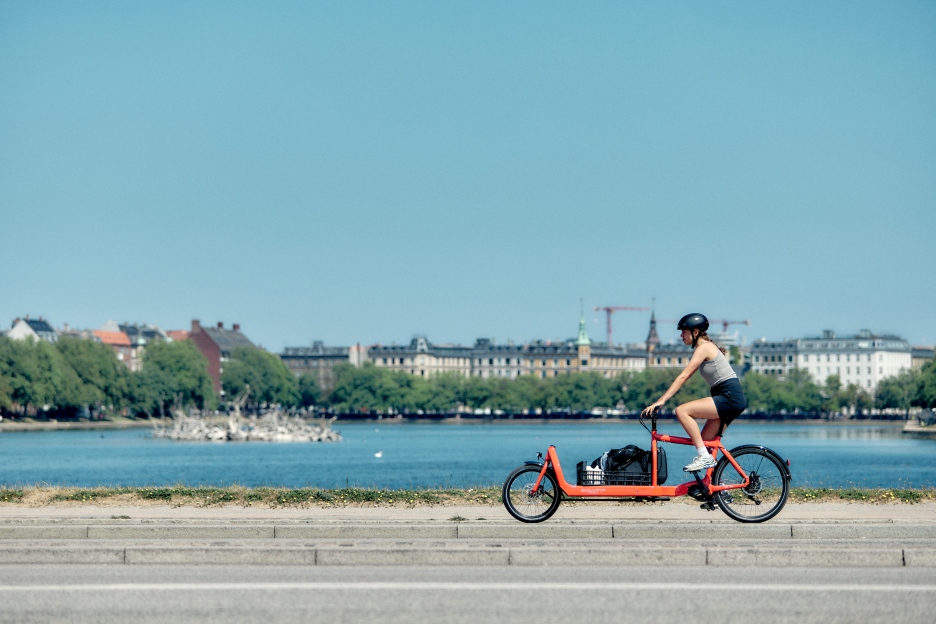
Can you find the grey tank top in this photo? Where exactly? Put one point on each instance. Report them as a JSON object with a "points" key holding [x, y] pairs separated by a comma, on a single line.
{"points": [[716, 370]]}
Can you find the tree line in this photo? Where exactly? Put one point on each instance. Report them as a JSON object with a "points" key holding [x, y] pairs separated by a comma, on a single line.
{"points": [[373, 389], [75, 377]]}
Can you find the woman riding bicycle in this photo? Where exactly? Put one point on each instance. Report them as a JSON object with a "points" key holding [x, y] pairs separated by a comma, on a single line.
{"points": [[727, 400]]}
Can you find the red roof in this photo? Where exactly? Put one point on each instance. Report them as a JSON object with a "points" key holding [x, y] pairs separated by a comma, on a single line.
{"points": [[116, 339], [178, 334]]}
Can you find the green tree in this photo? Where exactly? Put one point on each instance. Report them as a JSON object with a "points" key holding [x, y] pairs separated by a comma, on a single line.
{"points": [[106, 381], [761, 392], [37, 377], [802, 392], [900, 392], [365, 388], [173, 371], [832, 393], [310, 393], [928, 390], [583, 391], [270, 381]]}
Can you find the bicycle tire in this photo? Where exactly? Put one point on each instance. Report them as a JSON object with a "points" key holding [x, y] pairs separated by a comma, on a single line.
{"points": [[526, 507], [769, 484]]}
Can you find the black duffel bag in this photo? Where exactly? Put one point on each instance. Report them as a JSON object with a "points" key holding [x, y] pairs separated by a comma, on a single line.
{"points": [[632, 459]]}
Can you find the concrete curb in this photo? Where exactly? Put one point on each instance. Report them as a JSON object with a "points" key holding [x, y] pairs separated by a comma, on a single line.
{"points": [[378, 531], [863, 531], [920, 557], [704, 531], [661, 531], [220, 555], [487, 554], [44, 532], [51, 554], [641, 556], [181, 531], [812, 557], [413, 556], [535, 531]]}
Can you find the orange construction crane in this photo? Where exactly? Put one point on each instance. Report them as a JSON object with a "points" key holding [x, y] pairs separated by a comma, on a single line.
{"points": [[609, 310]]}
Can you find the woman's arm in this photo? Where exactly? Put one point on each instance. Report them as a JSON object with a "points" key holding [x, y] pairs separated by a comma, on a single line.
{"points": [[698, 356]]}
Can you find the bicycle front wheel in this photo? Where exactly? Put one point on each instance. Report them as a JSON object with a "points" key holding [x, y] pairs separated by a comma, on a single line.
{"points": [[522, 502], [767, 489]]}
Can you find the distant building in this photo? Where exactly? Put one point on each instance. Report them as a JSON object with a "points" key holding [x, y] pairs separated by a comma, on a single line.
{"points": [[138, 335], [74, 332], [670, 355], [921, 356], [320, 361], [508, 361], [37, 329], [120, 343], [178, 335], [216, 344], [864, 359], [421, 357]]}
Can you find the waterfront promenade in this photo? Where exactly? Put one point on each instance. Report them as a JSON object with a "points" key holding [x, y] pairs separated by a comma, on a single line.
{"points": [[646, 534], [814, 563]]}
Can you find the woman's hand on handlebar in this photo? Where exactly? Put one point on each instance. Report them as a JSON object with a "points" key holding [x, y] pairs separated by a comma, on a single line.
{"points": [[648, 411]]}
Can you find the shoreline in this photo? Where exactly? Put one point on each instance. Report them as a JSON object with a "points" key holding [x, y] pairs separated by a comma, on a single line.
{"points": [[14, 426], [9, 426]]}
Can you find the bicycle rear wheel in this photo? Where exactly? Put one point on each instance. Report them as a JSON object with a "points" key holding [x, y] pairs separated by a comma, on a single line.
{"points": [[767, 491], [524, 504]]}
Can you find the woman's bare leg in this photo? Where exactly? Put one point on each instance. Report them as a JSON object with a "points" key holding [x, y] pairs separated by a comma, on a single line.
{"points": [[710, 430], [700, 408]]}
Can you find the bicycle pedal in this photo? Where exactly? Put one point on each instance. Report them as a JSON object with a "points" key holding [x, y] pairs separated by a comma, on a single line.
{"points": [[708, 506], [698, 493]]}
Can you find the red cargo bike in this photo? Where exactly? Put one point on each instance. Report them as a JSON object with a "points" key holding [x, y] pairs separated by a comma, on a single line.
{"points": [[749, 483]]}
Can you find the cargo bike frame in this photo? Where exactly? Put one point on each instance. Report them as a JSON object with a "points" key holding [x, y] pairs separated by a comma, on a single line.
{"points": [[749, 483]]}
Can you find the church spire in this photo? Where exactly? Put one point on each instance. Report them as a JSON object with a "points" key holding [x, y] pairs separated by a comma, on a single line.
{"points": [[583, 339], [653, 339]]}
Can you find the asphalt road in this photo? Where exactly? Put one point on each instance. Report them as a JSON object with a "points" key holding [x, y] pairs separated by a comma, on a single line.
{"points": [[416, 594]]}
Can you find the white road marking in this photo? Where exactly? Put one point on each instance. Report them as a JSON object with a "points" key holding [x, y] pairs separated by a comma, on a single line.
{"points": [[398, 586]]}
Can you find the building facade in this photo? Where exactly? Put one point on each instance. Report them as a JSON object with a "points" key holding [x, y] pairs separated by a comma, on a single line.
{"points": [[421, 357], [921, 356], [216, 344], [319, 361], [132, 344], [487, 359], [37, 329], [863, 359], [120, 343]]}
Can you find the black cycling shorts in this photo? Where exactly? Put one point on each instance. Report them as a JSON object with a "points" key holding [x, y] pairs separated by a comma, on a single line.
{"points": [[729, 401]]}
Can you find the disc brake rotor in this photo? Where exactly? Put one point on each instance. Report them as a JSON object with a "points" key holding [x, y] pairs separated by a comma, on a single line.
{"points": [[530, 495]]}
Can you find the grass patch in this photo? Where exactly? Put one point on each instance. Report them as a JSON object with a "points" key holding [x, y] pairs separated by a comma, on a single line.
{"points": [[10, 496], [861, 495], [206, 496], [261, 496]]}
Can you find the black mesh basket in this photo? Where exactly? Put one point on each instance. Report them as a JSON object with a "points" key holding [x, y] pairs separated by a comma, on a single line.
{"points": [[612, 477]]}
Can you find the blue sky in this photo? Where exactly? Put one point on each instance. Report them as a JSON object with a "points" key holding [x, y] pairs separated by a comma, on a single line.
{"points": [[366, 171]]}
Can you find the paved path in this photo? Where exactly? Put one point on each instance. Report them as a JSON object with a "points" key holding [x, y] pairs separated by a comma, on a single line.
{"points": [[667, 563], [669, 534], [467, 594]]}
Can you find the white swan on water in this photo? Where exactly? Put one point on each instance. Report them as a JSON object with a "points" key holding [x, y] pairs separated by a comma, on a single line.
{"points": [[378, 454]]}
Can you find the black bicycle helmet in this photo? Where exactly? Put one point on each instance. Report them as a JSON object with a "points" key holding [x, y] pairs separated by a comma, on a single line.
{"points": [[693, 321]]}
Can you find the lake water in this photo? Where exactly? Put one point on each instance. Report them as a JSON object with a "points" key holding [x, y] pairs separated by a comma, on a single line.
{"points": [[417, 455]]}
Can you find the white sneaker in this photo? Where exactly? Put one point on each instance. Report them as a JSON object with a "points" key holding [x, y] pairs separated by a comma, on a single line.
{"points": [[701, 462]]}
